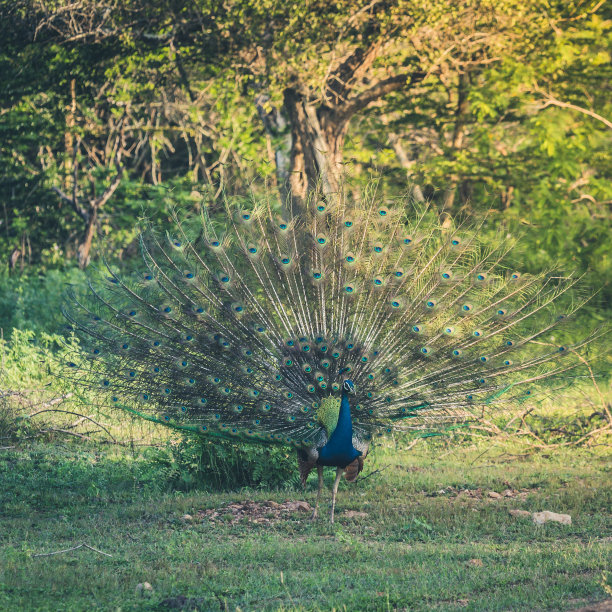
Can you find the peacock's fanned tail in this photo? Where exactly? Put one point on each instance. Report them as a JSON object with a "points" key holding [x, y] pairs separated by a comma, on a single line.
{"points": [[242, 329]]}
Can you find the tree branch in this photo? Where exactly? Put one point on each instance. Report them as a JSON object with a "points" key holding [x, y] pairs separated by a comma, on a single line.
{"points": [[552, 101], [376, 91], [73, 202], [340, 82], [108, 192]]}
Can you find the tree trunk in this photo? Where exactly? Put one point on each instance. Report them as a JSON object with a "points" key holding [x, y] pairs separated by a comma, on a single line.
{"points": [[84, 248], [317, 139], [408, 165], [276, 128], [458, 134]]}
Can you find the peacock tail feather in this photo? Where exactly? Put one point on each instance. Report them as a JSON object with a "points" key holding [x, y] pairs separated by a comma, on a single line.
{"points": [[245, 329]]}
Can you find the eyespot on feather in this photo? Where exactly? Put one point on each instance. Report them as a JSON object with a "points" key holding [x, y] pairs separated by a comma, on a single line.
{"points": [[321, 241]]}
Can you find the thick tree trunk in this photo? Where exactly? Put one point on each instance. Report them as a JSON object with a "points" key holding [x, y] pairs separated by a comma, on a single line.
{"points": [[317, 139]]}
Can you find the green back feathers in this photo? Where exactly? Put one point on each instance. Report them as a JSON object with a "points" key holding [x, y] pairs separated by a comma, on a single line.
{"points": [[327, 414]]}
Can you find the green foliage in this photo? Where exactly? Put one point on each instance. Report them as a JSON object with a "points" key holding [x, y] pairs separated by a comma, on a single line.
{"points": [[33, 301], [195, 463], [180, 95]]}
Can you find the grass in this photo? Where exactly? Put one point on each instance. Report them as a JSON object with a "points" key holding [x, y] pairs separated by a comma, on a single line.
{"points": [[424, 545]]}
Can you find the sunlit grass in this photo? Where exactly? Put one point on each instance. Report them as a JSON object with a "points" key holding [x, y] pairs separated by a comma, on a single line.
{"points": [[432, 537]]}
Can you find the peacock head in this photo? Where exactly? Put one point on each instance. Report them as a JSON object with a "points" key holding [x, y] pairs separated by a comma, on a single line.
{"points": [[348, 386]]}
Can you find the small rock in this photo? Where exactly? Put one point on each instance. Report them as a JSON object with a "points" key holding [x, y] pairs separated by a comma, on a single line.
{"points": [[303, 506], [494, 495], [539, 518], [354, 514], [519, 513], [272, 504], [475, 562], [187, 518], [144, 589], [508, 493]]}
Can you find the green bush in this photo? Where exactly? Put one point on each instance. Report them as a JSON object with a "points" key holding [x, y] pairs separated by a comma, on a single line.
{"points": [[34, 301], [195, 463]]}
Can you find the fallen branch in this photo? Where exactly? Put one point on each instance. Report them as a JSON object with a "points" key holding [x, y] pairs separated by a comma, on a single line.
{"points": [[58, 552], [372, 474], [77, 415]]}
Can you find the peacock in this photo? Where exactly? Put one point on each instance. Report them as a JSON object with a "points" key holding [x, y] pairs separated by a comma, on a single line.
{"points": [[322, 327]]}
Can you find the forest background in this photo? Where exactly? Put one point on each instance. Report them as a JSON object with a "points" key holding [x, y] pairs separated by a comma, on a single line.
{"points": [[114, 110]]}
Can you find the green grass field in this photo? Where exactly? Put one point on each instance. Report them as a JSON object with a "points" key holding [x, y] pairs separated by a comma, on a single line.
{"points": [[433, 538]]}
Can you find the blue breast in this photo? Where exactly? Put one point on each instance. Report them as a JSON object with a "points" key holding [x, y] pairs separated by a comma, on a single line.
{"points": [[339, 450]]}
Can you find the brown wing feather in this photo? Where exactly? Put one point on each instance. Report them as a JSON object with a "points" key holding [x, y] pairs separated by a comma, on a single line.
{"points": [[353, 469]]}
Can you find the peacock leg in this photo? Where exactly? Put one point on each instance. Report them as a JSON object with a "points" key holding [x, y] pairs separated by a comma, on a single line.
{"points": [[335, 491], [316, 508]]}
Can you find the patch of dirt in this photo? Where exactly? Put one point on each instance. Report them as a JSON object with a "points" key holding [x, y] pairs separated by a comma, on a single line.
{"points": [[354, 514], [182, 603], [602, 606], [254, 512], [455, 494]]}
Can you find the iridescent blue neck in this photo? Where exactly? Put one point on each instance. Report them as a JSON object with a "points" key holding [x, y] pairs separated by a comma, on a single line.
{"points": [[339, 450]]}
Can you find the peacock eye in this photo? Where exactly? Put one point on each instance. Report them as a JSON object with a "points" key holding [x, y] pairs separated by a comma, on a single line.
{"points": [[348, 224]]}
